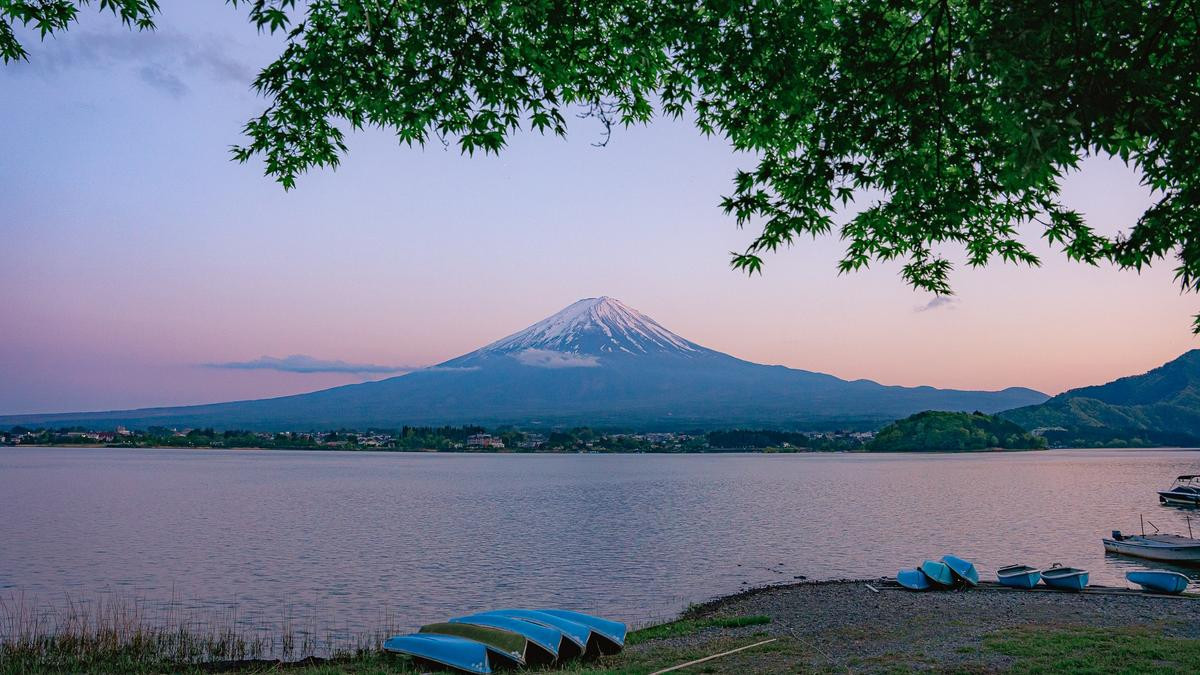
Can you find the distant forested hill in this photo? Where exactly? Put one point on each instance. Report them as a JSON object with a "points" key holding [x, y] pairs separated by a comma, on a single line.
{"points": [[936, 431], [1161, 407]]}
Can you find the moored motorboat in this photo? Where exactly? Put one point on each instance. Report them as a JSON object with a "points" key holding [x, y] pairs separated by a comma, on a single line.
{"points": [[549, 639], [1185, 491], [913, 580], [1166, 547], [963, 570], [1019, 576], [1159, 581], [938, 572], [1065, 578], [448, 650], [609, 634]]}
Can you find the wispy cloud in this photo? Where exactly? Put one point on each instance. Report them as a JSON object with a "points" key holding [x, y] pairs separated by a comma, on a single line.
{"points": [[300, 363], [546, 358], [162, 80], [161, 59], [947, 301]]}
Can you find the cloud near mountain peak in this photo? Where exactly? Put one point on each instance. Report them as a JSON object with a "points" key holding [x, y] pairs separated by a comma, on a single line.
{"points": [[548, 358]]}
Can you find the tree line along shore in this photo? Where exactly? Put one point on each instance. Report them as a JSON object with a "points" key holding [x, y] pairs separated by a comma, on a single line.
{"points": [[930, 431], [927, 431]]}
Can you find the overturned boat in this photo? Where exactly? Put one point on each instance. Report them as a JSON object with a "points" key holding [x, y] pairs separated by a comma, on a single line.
{"points": [[589, 642], [913, 580], [506, 638], [510, 643], [1159, 581], [609, 636], [550, 639], [938, 572], [450, 651], [963, 570]]}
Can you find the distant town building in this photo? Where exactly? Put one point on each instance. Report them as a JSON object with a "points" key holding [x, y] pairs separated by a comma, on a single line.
{"points": [[532, 441], [484, 441], [1041, 431]]}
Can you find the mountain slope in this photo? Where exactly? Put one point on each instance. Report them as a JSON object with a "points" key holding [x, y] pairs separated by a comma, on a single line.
{"points": [[596, 362], [1158, 407]]}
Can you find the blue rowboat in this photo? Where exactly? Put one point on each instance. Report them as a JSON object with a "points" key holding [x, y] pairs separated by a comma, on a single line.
{"points": [[1065, 578], [447, 650], [963, 570], [513, 645], [938, 572], [575, 632], [913, 580], [551, 640], [1159, 581], [1019, 576], [610, 635]]}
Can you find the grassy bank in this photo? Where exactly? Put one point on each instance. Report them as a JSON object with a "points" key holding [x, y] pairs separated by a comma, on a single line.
{"points": [[813, 628]]}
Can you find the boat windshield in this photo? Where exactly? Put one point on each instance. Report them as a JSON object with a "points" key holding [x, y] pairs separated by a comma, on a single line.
{"points": [[1192, 481]]}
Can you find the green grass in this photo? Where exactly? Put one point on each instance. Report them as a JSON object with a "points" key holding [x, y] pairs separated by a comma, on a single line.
{"points": [[124, 638], [1095, 650], [690, 626], [113, 635]]}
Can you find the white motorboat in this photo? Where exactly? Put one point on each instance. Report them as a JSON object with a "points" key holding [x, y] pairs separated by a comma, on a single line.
{"points": [[1185, 491], [1165, 547]]}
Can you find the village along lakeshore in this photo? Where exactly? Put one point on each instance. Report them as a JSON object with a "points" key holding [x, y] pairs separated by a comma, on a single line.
{"points": [[449, 439], [929, 431]]}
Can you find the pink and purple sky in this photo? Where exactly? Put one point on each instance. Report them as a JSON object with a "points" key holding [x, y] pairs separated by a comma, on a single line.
{"points": [[136, 255]]}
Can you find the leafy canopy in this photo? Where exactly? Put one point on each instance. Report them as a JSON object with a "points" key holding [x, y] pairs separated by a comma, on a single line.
{"points": [[958, 119]]}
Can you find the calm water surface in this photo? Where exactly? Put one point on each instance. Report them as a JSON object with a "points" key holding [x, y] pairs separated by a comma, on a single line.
{"points": [[347, 538]]}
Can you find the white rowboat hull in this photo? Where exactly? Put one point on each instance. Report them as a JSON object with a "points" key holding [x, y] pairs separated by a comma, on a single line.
{"points": [[1190, 554]]}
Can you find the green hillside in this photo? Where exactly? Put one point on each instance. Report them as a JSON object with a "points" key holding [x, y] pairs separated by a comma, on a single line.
{"points": [[937, 431], [1161, 407]]}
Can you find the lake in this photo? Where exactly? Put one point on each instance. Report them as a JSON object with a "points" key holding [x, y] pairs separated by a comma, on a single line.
{"points": [[346, 541]]}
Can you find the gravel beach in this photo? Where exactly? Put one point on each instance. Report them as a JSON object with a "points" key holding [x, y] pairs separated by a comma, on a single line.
{"points": [[840, 626]]}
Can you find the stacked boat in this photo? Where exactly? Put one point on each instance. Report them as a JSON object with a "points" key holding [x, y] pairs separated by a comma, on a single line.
{"points": [[509, 638], [949, 572]]}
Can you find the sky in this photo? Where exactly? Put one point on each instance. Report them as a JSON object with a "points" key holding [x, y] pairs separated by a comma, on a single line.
{"points": [[139, 266]]}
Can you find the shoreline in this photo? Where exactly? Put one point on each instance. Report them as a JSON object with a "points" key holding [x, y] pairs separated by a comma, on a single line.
{"points": [[862, 625], [853, 626], [721, 451]]}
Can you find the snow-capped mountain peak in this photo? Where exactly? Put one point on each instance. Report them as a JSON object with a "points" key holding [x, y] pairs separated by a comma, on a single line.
{"points": [[596, 326]]}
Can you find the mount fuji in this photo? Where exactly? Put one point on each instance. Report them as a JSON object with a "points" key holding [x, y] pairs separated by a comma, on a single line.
{"points": [[597, 362]]}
